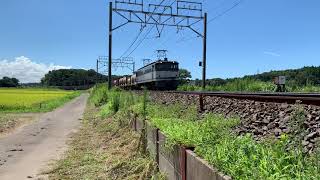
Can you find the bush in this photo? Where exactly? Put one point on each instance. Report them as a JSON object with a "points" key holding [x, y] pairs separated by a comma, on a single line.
{"points": [[99, 95], [238, 156], [237, 85]]}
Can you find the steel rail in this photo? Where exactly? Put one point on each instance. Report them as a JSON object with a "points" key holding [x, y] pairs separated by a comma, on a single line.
{"points": [[290, 98]]}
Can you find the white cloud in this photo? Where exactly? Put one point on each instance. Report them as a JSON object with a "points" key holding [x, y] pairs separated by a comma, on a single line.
{"points": [[271, 53], [26, 70]]}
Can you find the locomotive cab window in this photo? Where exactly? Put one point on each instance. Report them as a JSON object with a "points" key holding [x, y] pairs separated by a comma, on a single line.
{"points": [[166, 67]]}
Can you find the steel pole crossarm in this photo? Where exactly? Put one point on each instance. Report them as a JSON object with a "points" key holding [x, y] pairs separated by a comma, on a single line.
{"points": [[160, 24], [154, 20], [155, 13], [189, 2], [195, 22], [191, 9], [122, 15], [130, 3], [199, 34], [196, 7], [162, 6], [113, 29], [136, 16], [167, 19]]}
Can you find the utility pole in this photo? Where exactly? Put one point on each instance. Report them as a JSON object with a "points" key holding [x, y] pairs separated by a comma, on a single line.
{"points": [[97, 72], [103, 64], [110, 47], [184, 14], [204, 65]]}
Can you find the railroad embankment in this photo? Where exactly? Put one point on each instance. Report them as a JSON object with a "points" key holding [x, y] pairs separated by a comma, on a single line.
{"points": [[186, 143], [260, 119]]}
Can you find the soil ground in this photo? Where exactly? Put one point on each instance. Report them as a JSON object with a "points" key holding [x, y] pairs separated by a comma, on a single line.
{"points": [[104, 148], [25, 152], [9, 122]]}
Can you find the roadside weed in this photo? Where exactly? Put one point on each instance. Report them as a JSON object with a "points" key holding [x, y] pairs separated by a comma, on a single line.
{"points": [[212, 137]]}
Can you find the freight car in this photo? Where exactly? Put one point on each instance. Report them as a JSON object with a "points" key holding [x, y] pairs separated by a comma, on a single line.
{"points": [[160, 75]]}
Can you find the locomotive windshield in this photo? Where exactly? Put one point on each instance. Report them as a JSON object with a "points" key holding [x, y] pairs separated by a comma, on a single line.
{"points": [[167, 66]]}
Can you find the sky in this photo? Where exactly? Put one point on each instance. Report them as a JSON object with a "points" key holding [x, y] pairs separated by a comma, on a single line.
{"points": [[256, 36]]}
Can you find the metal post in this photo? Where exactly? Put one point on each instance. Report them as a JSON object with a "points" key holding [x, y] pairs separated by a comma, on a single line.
{"points": [[201, 102], [97, 72], [134, 66], [110, 47], [204, 63]]}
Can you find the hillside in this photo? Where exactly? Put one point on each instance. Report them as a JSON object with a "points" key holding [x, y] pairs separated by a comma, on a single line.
{"points": [[299, 77], [295, 77]]}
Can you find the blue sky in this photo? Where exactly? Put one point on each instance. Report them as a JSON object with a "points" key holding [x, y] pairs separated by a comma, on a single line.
{"points": [[256, 36]]}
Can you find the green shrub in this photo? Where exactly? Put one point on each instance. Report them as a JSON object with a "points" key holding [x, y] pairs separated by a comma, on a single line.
{"points": [[251, 85], [105, 110], [238, 156], [99, 95], [115, 102], [241, 157], [237, 85]]}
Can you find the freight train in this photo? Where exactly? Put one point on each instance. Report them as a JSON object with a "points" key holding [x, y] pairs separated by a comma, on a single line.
{"points": [[159, 75]]}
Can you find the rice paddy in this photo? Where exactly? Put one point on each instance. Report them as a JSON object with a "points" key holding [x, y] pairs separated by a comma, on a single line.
{"points": [[33, 100]]}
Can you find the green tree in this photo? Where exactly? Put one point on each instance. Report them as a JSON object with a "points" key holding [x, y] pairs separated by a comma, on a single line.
{"points": [[184, 76], [9, 82], [70, 78]]}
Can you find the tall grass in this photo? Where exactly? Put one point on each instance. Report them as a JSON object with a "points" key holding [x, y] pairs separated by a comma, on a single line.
{"points": [[238, 156], [99, 95], [238, 85], [250, 85], [112, 101]]}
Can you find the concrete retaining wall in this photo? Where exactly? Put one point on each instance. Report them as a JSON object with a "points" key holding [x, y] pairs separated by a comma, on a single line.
{"points": [[169, 159], [139, 125], [198, 168], [152, 141], [176, 162]]}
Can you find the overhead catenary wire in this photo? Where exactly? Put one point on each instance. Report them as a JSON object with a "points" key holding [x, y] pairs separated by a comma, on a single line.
{"points": [[225, 12], [140, 42], [137, 37], [134, 41], [213, 19]]}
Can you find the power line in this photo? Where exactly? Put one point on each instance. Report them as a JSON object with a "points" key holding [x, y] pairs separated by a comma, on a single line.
{"points": [[137, 37], [134, 12], [213, 19], [140, 42], [226, 11], [134, 41]]}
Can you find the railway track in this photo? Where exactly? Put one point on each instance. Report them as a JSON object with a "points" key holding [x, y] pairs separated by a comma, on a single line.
{"points": [[290, 98]]}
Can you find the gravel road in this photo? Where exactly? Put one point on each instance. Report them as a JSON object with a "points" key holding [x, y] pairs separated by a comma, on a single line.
{"points": [[24, 153]]}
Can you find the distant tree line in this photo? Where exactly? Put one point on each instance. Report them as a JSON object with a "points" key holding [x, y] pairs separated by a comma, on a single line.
{"points": [[295, 77], [71, 77], [9, 82]]}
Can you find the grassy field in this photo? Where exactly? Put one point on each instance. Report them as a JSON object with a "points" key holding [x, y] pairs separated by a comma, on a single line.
{"points": [[33, 100], [238, 156], [21, 106], [250, 85]]}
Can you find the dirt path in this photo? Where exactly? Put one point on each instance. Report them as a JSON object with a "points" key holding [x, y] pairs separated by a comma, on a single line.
{"points": [[25, 152]]}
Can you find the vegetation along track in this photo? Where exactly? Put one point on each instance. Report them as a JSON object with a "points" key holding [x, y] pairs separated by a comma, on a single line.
{"points": [[290, 98], [263, 115]]}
